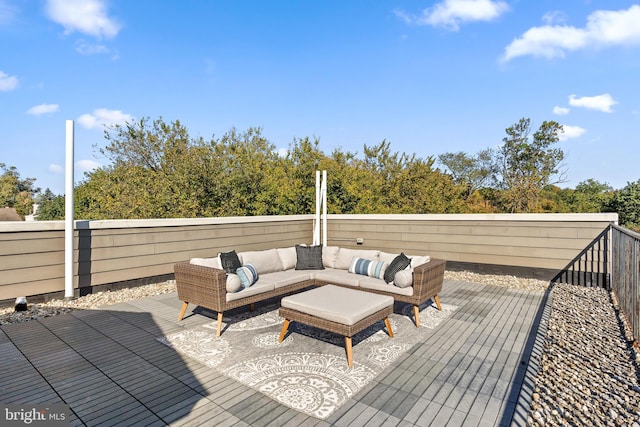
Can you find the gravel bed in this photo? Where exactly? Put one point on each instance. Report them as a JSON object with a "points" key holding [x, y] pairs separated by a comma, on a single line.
{"points": [[588, 369], [512, 282]]}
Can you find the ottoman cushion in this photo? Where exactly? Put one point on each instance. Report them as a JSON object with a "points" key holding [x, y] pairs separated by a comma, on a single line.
{"points": [[337, 304]]}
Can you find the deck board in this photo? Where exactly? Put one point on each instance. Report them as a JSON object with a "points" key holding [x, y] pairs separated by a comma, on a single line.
{"points": [[467, 371]]}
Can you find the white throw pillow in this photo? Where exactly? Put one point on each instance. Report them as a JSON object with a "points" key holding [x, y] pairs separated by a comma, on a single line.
{"points": [[234, 284], [403, 278]]}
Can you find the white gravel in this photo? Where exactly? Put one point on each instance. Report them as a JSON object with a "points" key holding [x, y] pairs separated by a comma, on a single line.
{"points": [[99, 299], [587, 371]]}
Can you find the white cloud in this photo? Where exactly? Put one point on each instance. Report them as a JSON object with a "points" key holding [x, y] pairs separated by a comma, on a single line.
{"points": [[7, 12], [56, 168], [451, 13], [561, 111], [87, 165], [84, 16], [602, 102], [37, 110], [85, 48], [102, 117], [571, 132], [604, 28], [7, 82], [554, 17]]}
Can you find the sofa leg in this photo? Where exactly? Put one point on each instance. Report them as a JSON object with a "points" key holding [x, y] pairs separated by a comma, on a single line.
{"points": [[252, 307], [437, 300], [388, 325], [285, 326], [184, 309], [348, 347], [219, 328], [416, 315]]}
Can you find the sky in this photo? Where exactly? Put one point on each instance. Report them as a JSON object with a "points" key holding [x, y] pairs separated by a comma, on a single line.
{"points": [[429, 77]]}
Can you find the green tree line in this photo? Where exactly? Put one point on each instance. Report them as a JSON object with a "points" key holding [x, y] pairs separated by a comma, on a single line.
{"points": [[157, 170]]}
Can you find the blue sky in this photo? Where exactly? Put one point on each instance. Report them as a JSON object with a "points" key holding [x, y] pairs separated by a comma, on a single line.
{"points": [[430, 77]]}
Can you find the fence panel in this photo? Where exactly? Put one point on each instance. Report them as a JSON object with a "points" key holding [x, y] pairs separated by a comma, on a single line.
{"points": [[626, 272]]}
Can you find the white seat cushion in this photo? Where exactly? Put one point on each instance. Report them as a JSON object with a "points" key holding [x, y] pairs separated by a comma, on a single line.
{"points": [[261, 286], [380, 285], [341, 277], [340, 305], [285, 278]]}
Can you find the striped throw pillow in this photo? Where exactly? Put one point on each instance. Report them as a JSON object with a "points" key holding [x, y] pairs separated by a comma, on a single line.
{"points": [[367, 267], [248, 275]]}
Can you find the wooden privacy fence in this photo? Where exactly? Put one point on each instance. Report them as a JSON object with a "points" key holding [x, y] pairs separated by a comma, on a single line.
{"points": [[610, 261]]}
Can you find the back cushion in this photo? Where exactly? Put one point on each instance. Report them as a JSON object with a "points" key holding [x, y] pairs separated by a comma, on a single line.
{"points": [[345, 256], [417, 260], [329, 254], [266, 261], [386, 257], [287, 257], [207, 262]]}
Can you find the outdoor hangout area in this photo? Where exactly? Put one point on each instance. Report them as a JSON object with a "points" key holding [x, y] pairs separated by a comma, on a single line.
{"points": [[397, 320]]}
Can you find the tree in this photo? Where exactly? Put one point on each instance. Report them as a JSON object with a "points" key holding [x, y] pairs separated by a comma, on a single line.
{"points": [[16, 192], [149, 176], [158, 171], [50, 206], [472, 172], [627, 203], [590, 196], [526, 165]]}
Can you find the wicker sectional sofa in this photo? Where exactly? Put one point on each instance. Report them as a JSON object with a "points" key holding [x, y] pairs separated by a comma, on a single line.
{"points": [[203, 282]]}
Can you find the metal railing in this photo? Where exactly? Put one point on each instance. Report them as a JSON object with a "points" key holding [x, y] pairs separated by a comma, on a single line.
{"points": [[591, 266], [610, 261], [625, 263]]}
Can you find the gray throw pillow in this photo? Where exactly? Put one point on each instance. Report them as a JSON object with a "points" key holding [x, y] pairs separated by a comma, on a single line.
{"points": [[309, 257], [230, 261], [399, 263]]}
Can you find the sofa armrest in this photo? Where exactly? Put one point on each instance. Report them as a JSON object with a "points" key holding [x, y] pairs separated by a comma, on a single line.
{"points": [[200, 285], [428, 278]]}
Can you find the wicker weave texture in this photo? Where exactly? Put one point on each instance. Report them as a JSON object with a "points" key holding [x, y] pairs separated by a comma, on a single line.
{"points": [[335, 327], [206, 286]]}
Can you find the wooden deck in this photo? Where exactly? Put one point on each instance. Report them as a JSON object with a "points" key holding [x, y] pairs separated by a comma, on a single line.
{"points": [[108, 367]]}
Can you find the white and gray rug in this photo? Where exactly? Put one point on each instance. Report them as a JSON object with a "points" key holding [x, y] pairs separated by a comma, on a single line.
{"points": [[308, 371]]}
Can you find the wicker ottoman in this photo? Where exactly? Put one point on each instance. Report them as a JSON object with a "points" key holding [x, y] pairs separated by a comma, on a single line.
{"points": [[339, 310]]}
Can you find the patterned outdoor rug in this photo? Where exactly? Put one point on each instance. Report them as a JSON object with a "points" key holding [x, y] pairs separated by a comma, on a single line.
{"points": [[307, 371]]}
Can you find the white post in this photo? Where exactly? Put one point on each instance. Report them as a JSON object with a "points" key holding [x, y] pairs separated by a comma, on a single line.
{"points": [[68, 214], [323, 201], [316, 224]]}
